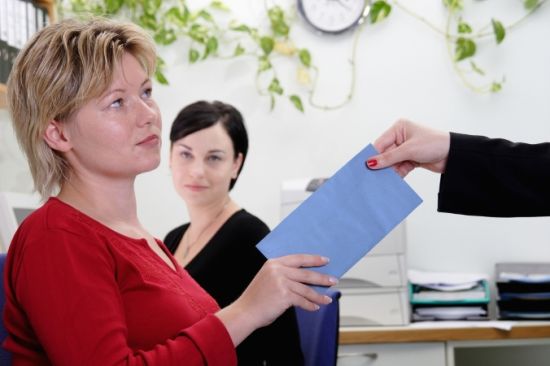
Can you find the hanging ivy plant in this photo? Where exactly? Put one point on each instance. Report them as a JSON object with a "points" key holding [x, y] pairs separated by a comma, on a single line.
{"points": [[210, 34]]}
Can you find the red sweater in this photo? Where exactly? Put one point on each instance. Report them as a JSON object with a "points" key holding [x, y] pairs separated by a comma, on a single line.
{"points": [[79, 293]]}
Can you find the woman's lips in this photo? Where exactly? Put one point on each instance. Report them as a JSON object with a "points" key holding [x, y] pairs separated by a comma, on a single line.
{"points": [[150, 140]]}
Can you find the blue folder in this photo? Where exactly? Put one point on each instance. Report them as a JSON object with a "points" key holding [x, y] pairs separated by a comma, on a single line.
{"points": [[345, 217]]}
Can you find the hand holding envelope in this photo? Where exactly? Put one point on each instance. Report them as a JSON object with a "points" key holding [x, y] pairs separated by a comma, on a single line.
{"points": [[346, 217]]}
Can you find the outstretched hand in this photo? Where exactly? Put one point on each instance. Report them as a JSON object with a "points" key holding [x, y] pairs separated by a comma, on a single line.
{"points": [[281, 283], [407, 145]]}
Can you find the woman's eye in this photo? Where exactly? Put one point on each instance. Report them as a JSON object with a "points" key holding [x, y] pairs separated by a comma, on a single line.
{"points": [[214, 158], [185, 155], [117, 103], [147, 93]]}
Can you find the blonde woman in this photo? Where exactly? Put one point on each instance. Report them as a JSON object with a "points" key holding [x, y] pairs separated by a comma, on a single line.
{"points": [[86, 283]]}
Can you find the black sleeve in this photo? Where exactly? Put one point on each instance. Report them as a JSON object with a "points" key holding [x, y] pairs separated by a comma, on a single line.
{"points": [[495, 177]]}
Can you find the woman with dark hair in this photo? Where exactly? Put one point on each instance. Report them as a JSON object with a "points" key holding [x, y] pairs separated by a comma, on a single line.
{"points": [[217, 247]]}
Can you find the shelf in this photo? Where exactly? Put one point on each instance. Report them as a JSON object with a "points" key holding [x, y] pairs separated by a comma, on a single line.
{"points": [[48, 5], [408, 334]]}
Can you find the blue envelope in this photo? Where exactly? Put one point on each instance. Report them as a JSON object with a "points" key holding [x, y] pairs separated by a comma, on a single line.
{"points": [[345, 217]]}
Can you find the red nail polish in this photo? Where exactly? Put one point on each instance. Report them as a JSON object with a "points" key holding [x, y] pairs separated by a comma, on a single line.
{"points": [[372, 163]]}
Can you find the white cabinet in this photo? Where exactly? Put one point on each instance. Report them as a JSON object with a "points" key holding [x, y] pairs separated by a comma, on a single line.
{"points": [[398, 354]]}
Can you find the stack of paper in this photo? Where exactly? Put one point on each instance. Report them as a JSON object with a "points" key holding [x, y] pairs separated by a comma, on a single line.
{"points": [[448, 296], [523, 290]]}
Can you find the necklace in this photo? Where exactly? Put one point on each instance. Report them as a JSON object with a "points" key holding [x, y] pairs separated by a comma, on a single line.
{"points": [[185, 240]]}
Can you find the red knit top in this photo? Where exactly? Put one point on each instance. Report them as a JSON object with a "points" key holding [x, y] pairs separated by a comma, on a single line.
{"points": [[79, 293]]}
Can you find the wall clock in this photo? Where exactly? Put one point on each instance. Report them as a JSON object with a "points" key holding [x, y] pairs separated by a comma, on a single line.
{"points": [[334, 16]]}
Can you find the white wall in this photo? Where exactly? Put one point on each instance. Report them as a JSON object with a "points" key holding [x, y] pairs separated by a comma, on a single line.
{"points": [[403, 71]]}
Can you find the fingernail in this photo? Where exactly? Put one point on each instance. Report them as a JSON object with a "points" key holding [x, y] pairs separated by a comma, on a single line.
{"points": [[333, 280], [317, 307], [372, 163], [328, 298], [326, 259]]}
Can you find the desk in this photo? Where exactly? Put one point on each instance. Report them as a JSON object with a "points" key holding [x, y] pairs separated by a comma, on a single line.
{"points": [[435, 344]]}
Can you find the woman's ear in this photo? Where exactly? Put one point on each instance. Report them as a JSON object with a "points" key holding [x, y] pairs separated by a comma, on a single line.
{"points": [[237, 165], [55, 136]]}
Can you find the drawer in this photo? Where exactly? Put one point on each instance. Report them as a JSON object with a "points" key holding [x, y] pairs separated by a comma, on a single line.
{"points": [[399, 354], [376, 271], [370, 307]]}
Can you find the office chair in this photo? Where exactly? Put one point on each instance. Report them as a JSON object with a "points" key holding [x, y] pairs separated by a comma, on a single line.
{"points": [[319, 332], [5, 357]]}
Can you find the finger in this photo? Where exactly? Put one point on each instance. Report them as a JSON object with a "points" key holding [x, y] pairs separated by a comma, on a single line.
{"points": [[405, 168], [302, 260], [307, 298], [389, 158], [310, 277]]}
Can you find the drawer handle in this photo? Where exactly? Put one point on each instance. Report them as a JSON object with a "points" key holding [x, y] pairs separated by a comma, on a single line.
{"points": [[372, 356]]}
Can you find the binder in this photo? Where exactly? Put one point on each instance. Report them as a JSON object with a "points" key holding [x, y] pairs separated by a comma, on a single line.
{"points": [[523, 290]]}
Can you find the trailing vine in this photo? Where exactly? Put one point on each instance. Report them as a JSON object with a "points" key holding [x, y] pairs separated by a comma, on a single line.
{"points": [[465, 40], [211, 33]]}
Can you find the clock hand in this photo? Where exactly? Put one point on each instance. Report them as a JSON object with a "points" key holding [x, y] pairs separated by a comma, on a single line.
{"points": [[342, 4]]}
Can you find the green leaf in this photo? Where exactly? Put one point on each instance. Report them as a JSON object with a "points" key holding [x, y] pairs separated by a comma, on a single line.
{"points": [[206, 16], [280, 29], [464, 48], [239, 50], [277, 18], [211, 46], [267, 44], [217, 4], [263, 64], [193, 55], [176, 16], [379, 11], [276, 14], [464, 27], [148, 21], [113, 6], [453, 5], [496, 87], [297, 102], [241, 28], [165, 37], [272, 101], [499, 30], [160, 77], [275, 87], [151, 7], [305, 57], [198, 33], [476, 68], [530, 4]]}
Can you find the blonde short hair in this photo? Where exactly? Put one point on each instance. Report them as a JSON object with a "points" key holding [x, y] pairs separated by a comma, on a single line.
{"points": [[61, 68]]}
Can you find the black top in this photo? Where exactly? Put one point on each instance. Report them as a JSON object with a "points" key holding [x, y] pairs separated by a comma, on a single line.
{"points": [[224, 268], [495, 177]]}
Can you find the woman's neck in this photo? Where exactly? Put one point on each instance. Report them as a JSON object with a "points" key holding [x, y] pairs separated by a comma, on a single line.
{"points": [[111, 203], [203, 215]]}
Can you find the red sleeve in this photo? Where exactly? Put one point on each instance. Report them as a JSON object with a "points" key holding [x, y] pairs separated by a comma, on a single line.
{"points": [[71, 301]]}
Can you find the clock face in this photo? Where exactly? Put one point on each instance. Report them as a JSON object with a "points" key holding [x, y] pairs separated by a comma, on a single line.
{"points": [[333, 16]]}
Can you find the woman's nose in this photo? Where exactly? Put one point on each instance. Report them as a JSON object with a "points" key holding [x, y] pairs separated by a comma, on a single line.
{"points": [[196, 168], [147, 112]]}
